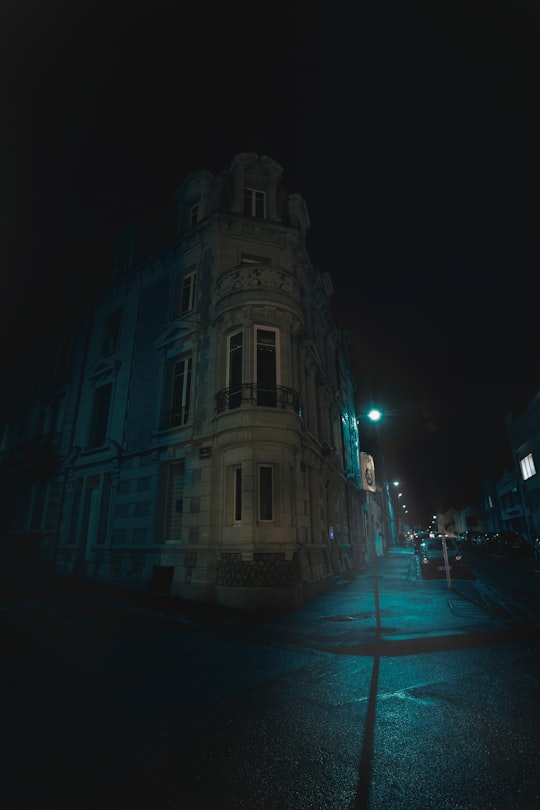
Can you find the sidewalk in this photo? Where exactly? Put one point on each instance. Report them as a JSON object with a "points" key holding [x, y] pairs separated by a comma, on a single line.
{"points": [[414, 614]]}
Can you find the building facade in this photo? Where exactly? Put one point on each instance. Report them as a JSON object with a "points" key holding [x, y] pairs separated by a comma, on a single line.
{"points": [[197, 434], [524, 436]]}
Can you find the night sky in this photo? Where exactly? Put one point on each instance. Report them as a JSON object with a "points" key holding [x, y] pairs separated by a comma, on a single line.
{"points": [[410, 129]]}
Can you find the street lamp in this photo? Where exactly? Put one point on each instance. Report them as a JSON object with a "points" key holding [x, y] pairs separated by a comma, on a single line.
{"points": [[388, 514], [374, 415]]}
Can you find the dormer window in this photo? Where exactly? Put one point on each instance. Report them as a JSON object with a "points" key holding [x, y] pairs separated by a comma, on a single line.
{"points": [[254, 203]]}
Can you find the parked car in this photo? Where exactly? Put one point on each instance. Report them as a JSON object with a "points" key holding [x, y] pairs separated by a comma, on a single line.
{"points": [[473, 538], [432, 555], [483, 541], [418, 538], [512, 544], [479, 541], [491, 541]]}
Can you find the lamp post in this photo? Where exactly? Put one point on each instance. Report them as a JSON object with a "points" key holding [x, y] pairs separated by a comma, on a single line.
{"points": [[373, 552], [368, 484], [385, 500], [387, 506]]}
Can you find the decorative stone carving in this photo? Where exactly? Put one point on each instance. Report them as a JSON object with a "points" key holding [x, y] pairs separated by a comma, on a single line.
{"points": [[249, 278]]}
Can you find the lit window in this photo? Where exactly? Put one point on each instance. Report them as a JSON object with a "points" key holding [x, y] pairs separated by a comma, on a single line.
{"points": [[527, 467], [254, 203]]}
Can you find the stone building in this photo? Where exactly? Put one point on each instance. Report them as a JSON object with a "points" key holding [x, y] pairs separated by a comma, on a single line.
{"points": [[524, 436], [200, 424]]}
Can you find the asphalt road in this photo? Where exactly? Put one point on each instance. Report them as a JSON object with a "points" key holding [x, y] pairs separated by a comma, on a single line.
{"points": [[111, 703]]}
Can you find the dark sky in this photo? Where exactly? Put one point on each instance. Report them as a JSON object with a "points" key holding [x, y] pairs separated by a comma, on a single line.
{"points": [[410, 129]]}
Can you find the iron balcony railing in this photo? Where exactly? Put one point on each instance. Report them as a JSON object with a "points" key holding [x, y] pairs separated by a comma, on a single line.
{"points": [[251, 394]]}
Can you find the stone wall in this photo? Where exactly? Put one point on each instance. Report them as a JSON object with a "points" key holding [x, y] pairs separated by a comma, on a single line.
{"points": [[265, 570]]}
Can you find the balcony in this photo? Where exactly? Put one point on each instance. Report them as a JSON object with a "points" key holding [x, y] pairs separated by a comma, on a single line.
{"points": [[252, 395]]}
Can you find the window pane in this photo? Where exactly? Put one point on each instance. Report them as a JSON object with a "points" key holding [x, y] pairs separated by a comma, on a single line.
{"points": [[100, 416], [112, 331], [187, 389], [266, 367], [175, 495], [527, 467], [188, 293], [181, 392], [266, 505], [254, 203], [37, 510], [185, 291], [235, 370], [238, 493], [259, 204], [104, 509], [74, 520]]}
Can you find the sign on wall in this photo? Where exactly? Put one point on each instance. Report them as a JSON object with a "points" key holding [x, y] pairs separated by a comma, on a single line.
{"points": [[368, 471]]}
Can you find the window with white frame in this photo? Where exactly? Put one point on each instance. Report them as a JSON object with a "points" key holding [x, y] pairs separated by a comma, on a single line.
{"points": [[527, 467], [254, 203], [178, 392], [266, 492], [185, 293], [234, 368], [267, 366]]}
